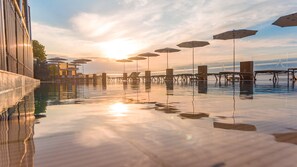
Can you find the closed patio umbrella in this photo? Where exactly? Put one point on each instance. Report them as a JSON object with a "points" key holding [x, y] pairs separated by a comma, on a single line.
{"points": [[148, 55], [167, 50], [193, 45], [234, 34], [137, 58]]}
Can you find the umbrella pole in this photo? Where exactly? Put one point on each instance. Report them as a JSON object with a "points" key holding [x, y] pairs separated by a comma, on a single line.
{"points": [[233, 76], [167, 59], [193, 63], [136, 65], [193, 100], [233, 59], [148, 63], [124, 67]]}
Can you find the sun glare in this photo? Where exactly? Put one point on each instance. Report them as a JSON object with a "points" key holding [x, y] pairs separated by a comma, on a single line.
{"points": [[118, 109], [119, 48]]}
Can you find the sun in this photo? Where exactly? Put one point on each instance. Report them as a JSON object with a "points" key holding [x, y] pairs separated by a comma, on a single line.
{"points": [[119, 48]]}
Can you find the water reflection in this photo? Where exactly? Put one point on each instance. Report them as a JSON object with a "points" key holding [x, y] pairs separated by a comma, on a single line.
{"points": [[289, 137], [16, 134], [193, 114], [167, 107], [246, 92], [118, 109], [234, 126], [202, 87], [246, 89]]}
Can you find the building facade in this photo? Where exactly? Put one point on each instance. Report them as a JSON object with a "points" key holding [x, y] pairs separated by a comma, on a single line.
{"points": [[63, 71], [16, 52]]}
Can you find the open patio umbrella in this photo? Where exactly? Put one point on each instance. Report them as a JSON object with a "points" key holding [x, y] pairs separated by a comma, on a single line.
{"points": [[57, 59], [137, 58], [167, 50], [82, 62], [286, 21], [234, 34], [193, 45], [124, 61], [148, 55]]}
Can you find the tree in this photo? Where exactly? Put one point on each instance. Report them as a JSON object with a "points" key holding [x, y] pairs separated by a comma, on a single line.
{"points": [[41, 70], [38, 51]]}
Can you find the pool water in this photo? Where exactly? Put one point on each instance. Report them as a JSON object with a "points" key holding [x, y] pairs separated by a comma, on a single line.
{"points": [[209, 124]]}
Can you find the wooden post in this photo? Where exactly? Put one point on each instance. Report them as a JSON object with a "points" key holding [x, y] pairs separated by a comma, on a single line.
{"points": [[202, 73], [147, 76], [94, 79], [125, 77], [169, 75], [104, 80], [247, 68], [87, 79]]}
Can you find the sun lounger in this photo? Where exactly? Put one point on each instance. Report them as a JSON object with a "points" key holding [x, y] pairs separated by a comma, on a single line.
{"points": [[134, 76]]}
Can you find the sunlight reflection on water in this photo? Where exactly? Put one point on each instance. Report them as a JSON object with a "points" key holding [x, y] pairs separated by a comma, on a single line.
{"points": [[118, 109]]}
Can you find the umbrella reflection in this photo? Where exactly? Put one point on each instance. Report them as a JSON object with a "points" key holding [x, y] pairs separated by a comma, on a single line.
{"points": [[193, 115], [290, 137], [148, 91], [234, 125], [238, 126], [167, 108]]}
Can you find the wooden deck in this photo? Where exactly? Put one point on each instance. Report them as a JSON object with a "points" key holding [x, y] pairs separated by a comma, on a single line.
{"points": [[188, 78]]}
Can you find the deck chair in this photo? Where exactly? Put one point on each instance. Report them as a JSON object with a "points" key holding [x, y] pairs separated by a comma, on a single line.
{"points": [[134, 76]]}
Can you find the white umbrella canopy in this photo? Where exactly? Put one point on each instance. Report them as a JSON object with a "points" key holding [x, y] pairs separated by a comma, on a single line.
{"points": [[167, 50], [148, 55], [193, 45], [286, 21], [235, 34], [137, 58], [124, 61]]}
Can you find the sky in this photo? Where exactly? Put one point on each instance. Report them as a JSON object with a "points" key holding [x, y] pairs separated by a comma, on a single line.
{"points": [[106, 30]]}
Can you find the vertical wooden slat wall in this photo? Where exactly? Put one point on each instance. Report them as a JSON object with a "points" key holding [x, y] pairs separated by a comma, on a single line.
{"points": [[19, 54], [20, 45], [2, 39], [10, 30]]}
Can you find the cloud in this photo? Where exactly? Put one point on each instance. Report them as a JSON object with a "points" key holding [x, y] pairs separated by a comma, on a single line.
{"points": [[136, 3], [141, 26]]}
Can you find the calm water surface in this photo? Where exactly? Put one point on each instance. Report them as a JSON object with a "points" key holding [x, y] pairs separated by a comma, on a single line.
{"points": [[209, 124]]}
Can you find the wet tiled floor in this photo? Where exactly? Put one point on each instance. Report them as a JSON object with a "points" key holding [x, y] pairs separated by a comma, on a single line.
{"points": [[141, 125]]}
